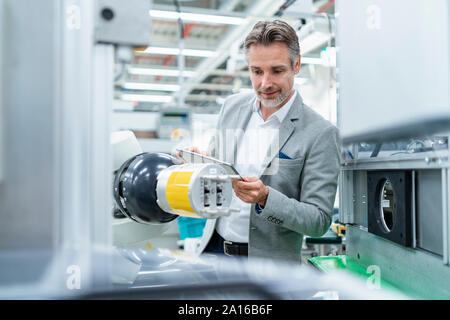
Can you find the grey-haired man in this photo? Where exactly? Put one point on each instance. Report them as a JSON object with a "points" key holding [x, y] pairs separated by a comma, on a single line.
{"points": [[288, 190]]}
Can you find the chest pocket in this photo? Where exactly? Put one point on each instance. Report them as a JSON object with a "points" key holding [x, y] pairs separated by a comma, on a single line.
{"points": [[284, 175], [290, 168], [289, 162]]}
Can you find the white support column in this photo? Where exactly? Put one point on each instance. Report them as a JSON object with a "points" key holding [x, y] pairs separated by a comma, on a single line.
{"points": [[2, 133], [446, 222], [346, 197], [82, 120], [101, 162], [445, 213], [72, 121], [413, 210]]}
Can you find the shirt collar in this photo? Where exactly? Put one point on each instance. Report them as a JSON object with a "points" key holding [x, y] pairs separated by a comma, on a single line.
{"points": [[279, 114]]}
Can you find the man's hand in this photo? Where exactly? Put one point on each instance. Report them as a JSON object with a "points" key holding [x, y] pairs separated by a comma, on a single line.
{"points": [[192, 149], [251, 190]]}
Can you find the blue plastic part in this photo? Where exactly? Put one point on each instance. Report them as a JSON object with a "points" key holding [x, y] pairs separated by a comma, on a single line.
{"points": [[190, 227]]}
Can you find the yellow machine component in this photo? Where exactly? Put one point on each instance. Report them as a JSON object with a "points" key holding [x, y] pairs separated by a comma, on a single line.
{"points": [[177, 193], [338, 228], [195, 190]]}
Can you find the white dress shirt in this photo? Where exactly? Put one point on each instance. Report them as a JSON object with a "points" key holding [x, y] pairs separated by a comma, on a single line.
{"points": [[251, 152]]}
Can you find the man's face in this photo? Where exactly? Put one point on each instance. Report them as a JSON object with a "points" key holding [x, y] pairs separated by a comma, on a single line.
{"points": [[271, 73]]}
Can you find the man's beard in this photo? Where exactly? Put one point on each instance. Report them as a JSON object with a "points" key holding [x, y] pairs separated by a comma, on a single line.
{"points": [[273, 103]]}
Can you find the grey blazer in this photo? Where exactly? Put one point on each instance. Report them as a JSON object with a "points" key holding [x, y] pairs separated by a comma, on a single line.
{"points": [[303, 190]]}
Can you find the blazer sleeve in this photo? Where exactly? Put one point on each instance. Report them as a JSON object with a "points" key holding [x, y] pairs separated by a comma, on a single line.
{"points": [[311, 214]]}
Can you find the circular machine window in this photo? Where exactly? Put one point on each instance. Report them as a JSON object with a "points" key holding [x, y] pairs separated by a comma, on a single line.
{"points": [[387, 206]]}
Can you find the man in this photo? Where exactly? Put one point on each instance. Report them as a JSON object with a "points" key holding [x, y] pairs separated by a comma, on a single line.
{"points": [[290, 192]]}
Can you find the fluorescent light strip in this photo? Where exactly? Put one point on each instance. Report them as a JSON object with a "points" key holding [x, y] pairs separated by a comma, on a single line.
{"points": [[308, 60], [199, 53], [313, 41], [151, 86], [160, 72], [301, 80], [176, 51], [196, 17], [158, 271], [146, 98]]}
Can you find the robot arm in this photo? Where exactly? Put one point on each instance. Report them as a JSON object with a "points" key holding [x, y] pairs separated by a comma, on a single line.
{"points": [[155, 188]]}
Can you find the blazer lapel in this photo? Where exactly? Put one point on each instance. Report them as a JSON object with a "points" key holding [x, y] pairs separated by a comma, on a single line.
{"points": [[286, 129]]}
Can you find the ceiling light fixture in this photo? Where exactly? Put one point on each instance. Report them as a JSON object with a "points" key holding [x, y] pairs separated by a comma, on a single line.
{"points": [[301, 81], [146, 98], [151, 86], [196, 17], [160, 72], [313, 41], [176, 51], [308, 60]]}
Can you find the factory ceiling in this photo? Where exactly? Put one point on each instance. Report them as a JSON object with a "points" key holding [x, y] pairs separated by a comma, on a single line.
{"points": [[211, 37]]}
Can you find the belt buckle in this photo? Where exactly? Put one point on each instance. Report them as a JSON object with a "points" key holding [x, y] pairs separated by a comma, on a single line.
{"points": [[225, 243]]}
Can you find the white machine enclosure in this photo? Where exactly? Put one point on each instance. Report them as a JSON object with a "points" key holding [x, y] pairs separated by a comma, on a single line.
{"points": [[123, 23], [56, 113], [393, 71], [393, 68]]}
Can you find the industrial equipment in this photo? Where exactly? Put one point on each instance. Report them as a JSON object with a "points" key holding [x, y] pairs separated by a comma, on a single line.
{"points": [[173, 121], [152, 189], [394, 183], [157, 188], [56, 193], [393, 68]]}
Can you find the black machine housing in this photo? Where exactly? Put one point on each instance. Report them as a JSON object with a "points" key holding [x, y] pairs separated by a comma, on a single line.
{"points": [[135, 187], [402, 227]]}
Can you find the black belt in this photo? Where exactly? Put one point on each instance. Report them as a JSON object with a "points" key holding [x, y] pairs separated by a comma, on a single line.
{"points": [[232, 248], [235, 249]]}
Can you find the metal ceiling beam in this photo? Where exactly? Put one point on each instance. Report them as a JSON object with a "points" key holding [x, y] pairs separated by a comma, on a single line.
{"points": [[229, 5]]}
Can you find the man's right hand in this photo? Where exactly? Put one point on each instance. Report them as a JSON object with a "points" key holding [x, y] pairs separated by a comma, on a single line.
{"points": [[193, 149]]}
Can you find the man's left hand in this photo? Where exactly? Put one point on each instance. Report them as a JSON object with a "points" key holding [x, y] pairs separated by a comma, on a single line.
{"points": [[251, 190]]}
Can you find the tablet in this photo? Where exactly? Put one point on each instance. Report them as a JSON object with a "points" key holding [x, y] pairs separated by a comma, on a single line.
{"points": [[193, 157]]}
